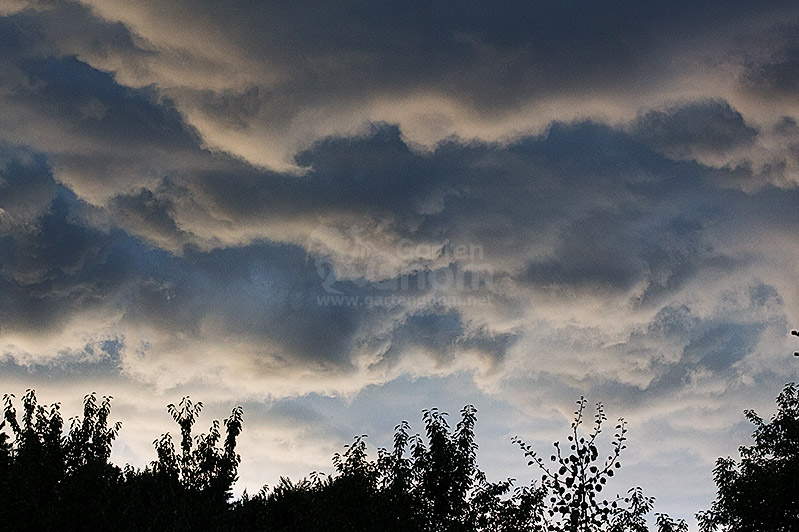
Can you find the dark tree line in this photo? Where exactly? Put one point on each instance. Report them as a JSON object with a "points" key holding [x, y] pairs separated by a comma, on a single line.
{"points": [[57, 479], [54, 477]]}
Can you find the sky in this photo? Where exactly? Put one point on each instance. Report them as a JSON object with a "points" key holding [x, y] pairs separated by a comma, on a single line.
{"points": [[337, 214]]}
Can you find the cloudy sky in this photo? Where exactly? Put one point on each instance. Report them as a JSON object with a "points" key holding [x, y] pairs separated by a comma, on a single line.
{"points": [[338, 214]]}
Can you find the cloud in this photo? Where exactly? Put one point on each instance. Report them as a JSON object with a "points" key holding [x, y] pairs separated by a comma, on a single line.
{"points": [[691, 131], [768, 72], [582, 212], [26, 188], [264, 84]]}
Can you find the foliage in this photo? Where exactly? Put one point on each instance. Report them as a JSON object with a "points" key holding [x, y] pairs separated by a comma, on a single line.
{"points": [[429, 483], [201, 465], [190, 489], [58, 476], [56, 479], [759, 493], [667, 524], [67, 475], [577, 477]]}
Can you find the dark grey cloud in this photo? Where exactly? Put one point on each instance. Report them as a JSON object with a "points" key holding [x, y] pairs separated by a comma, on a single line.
{"points": [[266, 81], [695, 129], [26, 188], [582, 206], [489, 54], [100, 136], [787, 127], [773, 74], [706, 344], [147, 214]]}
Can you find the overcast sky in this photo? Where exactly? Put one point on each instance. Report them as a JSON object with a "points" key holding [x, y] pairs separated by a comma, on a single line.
{"points": [[340, 213]]}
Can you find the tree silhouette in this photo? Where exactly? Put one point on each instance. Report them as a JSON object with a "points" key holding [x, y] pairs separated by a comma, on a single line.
{"points": [[52, 480], [577, 476], [202, 464], [759, 493], [191, 489], [423, 484]]}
